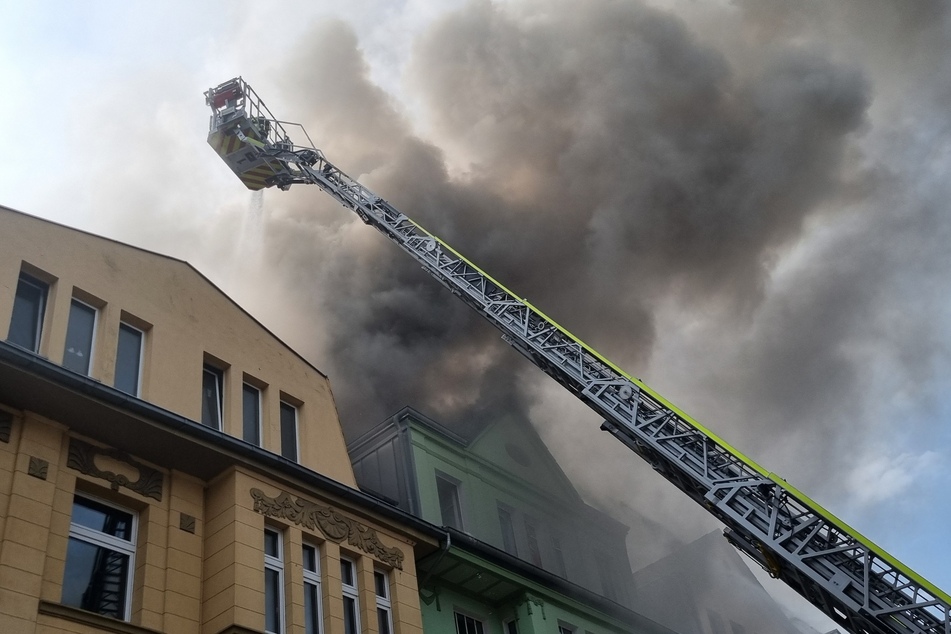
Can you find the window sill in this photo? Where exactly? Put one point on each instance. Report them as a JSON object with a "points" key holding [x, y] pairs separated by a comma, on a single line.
{"points": [[104, 623]]}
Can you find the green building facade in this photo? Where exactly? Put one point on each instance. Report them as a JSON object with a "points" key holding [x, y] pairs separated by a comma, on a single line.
{"points": [[524, 553]]}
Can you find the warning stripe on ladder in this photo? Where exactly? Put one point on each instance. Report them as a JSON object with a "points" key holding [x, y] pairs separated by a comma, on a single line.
{"points": [[255, 178]]}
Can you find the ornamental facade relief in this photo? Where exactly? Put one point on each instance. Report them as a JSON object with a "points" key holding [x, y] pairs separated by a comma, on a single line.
{"points": [[330, 523]]}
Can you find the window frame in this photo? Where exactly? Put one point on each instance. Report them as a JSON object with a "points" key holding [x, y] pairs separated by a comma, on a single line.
{"points": [[477, 623], [606, 576], [258, 425], [40, 317], [218, 374], [510, 626], [558, 555], [312, 578], [384, 602], [92, 335], [141, 356], [275, 563], [507, 536], [456, 484], [350, 591], [285, 406], [100, 539], [532, 541]]}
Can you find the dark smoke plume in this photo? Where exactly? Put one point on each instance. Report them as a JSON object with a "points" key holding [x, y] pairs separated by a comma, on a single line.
{"points": [[725, 202], [609, 160]]}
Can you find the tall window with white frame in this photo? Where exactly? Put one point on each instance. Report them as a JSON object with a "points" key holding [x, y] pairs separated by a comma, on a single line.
{"points": [[313, 622], [251, 398], [605, 566], [450, 507], [100, 558], [564, 628], [466, 624], [510, 626], [29, 308], [288, 431], [129, 359], [558, 556], [273, 581], [384, 609], [351, 596], [507, 526], [531, 538], [212, 395], [80, 332]]}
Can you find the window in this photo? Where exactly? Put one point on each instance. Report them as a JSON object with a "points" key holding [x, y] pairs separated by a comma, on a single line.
{"points": [[252, 414], [384, 616], [531, 534], [351, 615], [288, 431], [606, 576], [558, 556], [129, 359], [212, 396], [273, 582], [99, 558], [79, 336], [508, 531], [449, 508], [312, 611], [564, 628], [29, 307], [465, 624], [510, 626]]}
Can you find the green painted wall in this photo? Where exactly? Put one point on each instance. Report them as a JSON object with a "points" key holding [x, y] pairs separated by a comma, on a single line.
{"points": [[529, 483]]}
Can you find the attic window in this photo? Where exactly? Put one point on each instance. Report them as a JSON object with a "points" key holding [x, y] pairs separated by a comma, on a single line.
{"points": [[29, 307], [212, 396], [518, 454], [450, 510]]}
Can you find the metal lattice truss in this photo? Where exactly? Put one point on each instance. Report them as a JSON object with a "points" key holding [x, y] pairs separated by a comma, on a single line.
{"points": [[855, 583]]}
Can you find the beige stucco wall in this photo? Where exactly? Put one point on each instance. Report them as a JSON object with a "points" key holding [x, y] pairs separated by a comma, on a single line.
{"points": [[234, 585], [186, 318], [205, 579]]}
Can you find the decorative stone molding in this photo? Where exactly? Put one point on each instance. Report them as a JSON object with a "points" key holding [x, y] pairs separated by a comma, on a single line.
{"points": [[82, 457], [186, 522], [38, 468], [530, 600], [6, 425], [331, 524]]}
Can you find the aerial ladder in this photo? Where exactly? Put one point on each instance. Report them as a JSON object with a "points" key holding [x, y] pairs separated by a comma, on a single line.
{"points": [[856, 583]]}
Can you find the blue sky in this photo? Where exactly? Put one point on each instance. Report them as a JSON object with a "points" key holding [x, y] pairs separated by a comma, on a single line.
{"points": [[105, 127]]}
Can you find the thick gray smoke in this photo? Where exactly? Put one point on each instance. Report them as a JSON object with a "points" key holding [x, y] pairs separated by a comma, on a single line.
{"points": [[610, 160], [734, 202]]}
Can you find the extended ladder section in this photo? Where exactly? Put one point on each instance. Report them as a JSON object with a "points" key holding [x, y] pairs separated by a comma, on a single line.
{"points": [[856, 583]]}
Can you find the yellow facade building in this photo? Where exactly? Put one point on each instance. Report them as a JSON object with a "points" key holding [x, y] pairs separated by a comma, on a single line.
{"points": [[169, 465]]}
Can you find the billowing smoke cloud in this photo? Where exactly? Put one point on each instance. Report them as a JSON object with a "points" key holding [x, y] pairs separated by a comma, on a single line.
{"points": [[609, 161], [725, 201]]}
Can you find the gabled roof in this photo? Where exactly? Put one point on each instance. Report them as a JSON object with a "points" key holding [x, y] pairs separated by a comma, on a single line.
{"points": [[191, 270], [511, 447]]}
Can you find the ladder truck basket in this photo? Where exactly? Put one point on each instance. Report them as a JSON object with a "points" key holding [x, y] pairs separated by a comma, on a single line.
{"points": [[251, 141]]}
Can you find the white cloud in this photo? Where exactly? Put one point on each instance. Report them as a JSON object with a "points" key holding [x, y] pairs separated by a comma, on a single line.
{"points": [[882, 475]]}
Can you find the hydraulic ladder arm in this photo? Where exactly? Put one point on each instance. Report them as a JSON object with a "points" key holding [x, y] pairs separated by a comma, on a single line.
{"points": [[854, 582]]}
